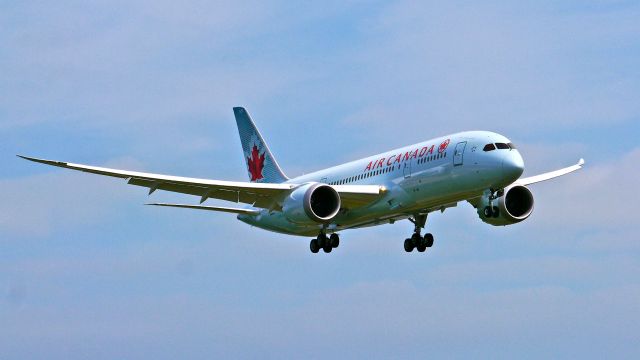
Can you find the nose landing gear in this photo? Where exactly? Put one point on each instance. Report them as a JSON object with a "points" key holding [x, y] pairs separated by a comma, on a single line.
{"points": [[491, 210]]}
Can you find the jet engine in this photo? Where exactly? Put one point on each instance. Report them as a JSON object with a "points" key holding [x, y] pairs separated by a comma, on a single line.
{"points": [[515, 205], [312, 203]]}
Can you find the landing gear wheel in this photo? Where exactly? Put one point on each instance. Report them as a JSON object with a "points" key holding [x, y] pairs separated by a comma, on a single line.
{"points": [[421, 247], [327, 247], [322, 240], [496, 212], [488, 212], [408, 245], [428, 240], [313, 246], [334, 239]]}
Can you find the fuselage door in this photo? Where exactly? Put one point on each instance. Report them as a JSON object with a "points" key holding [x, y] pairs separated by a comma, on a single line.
{"points": [[459, 153], [407, 169]]}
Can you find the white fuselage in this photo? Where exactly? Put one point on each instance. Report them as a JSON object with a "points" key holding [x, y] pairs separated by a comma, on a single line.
{"points": [[419, 178]]}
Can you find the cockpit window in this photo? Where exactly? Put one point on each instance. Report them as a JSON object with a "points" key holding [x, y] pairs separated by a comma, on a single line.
{"points": [[512, 146], [502, 146], [489, 147]]}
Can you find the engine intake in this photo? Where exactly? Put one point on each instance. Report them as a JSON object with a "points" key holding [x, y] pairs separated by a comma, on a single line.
{"points": [[514, 206], [312, 203]]}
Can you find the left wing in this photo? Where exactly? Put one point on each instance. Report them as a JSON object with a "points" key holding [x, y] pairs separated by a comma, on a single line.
{"points": [[261, 195], [550, 175]]}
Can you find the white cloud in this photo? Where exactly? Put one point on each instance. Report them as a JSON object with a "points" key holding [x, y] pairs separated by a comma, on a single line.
{"points": [[372, 319], [600, 196], [39, 204], [102, 65], [448, 67]]}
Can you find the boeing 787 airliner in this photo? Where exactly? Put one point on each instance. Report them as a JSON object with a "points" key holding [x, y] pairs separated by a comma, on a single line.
{"points": [[480, 167]]}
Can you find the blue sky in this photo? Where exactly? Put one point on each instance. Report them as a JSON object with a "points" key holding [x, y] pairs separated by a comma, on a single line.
{"points": [[86, 271]]}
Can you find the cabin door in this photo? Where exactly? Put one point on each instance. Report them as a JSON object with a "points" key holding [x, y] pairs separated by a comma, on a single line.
{"points": [[458, 155]]}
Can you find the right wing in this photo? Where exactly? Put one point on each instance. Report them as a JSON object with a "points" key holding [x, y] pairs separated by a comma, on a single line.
{"points": [[260, 195], [550, 175], [257, 194]]}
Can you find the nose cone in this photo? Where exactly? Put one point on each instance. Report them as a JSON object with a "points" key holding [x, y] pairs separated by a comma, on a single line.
{"points": [[512, 166]]}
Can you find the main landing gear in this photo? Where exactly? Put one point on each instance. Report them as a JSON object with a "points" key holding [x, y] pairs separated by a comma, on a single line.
{"points": [[325, 243], [417, 241]]}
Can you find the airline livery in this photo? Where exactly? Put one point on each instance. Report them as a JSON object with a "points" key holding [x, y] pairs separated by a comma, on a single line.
{"points": [[480, 167]]}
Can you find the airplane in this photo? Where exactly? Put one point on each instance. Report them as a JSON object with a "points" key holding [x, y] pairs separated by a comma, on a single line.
{"points": [[480, 167]]}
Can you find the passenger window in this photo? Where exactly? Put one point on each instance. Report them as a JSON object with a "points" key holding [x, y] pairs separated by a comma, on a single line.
{"points": [[489, 147], [502, 146]]}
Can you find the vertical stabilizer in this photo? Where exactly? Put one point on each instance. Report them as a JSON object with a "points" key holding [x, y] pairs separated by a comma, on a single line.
{"points": [[261, 165]]}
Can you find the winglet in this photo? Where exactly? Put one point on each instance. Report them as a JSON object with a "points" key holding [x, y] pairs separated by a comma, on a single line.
{"points": [[43, 161], [581, 162], [27, 158]]}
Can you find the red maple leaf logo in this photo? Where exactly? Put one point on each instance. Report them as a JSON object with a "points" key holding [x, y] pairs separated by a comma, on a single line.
{"points": [[256, 164], [443, 146]]}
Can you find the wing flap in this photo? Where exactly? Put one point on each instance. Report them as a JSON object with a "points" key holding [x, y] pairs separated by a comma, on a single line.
{"points": [[210, 208], [353, 196]]}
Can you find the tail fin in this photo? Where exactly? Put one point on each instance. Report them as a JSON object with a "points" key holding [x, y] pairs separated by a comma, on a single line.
{"points": [[261, 165]]}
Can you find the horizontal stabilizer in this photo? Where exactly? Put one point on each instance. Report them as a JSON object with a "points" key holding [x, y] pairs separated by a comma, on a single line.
{"points": [[210, 208]]}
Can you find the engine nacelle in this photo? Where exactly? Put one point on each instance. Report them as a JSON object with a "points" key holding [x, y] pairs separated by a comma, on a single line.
{"points": [[515, 205], [312, 203]]}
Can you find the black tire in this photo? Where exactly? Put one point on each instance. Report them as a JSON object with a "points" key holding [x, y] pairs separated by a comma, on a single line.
{"points": [[322, 240], [313, 246], [327, 247], [421, 247], [428, 240], [487, 212], [416, 239], [496, 211], [335, 240], [408, 245]]}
